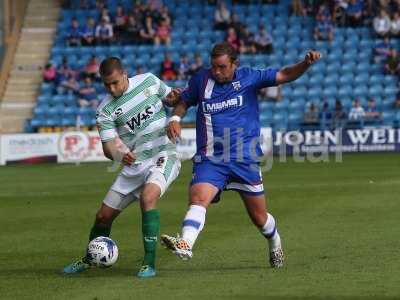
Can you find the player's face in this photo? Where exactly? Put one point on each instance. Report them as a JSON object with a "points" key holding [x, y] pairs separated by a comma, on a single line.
{"points": [[222, 68], [116, 83]]}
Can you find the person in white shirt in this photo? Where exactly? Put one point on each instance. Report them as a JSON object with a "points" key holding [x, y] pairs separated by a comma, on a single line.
{"points": [[382, 24], [395, 25], [357, 112], [222, 17]]}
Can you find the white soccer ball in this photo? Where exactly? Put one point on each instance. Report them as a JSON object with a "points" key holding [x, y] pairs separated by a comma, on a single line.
{"points": [[102, 252]]}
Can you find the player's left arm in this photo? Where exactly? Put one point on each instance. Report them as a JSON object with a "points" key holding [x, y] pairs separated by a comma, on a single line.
{"points": [[169, 96], [173, 97], [290, 73]]}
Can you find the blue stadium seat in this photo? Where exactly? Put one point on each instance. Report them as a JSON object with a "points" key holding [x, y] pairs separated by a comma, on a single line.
{"points": [[315, 91]]}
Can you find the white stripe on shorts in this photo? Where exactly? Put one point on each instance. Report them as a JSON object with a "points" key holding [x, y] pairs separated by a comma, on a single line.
{"points": [[246, 187]]}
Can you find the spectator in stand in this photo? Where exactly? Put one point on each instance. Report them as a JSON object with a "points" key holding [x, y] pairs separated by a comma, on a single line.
{"points": [[100, 4], [156, 4], [87, 94], [74, 34], [339, 12], [197, 65], [311, 116], [64, 71], [272, 93], [395, 25], [49, 73], [354, 13], [325, 115], [120, 23], [372, 113], [168, 70], [263, 40], [382, 24], [382, 50], [357, 112], [222, 17], [147, 33], [132, 32], [298, 8], [68, 85], [92, 68], [104, 15], [89, 33], [338, 115], [247, 43], [184, 67], [324, 27], [154, 13], [104, 33], [165, 15], [392, 63], [232, 38], [235, 23], [309, 7], [163, 33]]}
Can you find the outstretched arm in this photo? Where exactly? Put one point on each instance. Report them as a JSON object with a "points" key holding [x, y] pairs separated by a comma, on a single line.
{"points": [[174, 126], [290, 73], [173, 97]]}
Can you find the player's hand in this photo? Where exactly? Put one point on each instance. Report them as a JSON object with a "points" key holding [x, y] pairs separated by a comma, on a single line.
{"points": [[174, 131], [311, 57], [173, 97], [128, 158]]}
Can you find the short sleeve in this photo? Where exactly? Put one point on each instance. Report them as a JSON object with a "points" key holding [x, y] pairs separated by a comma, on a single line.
{"points": [[162, 89], [105, 126], [265, 78], [190, 94]]}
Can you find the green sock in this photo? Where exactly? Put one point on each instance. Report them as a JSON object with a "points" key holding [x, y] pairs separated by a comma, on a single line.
{"points": [[97, 231], [150, 230]]}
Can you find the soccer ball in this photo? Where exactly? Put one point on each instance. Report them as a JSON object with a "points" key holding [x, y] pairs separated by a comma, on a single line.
{"points": [[102, 252]]}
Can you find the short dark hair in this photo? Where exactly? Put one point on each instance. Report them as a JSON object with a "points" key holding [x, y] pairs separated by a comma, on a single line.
{"points": [[109, 65], [224, 48]]}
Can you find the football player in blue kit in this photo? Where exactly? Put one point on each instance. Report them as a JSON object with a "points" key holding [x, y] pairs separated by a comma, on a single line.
{"points": [[228, 143]]}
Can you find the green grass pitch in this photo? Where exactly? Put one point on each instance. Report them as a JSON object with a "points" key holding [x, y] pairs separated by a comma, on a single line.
{"points": [[339, 223]]}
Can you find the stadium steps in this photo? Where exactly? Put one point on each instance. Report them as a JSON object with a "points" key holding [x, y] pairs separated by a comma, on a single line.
{"points": [[36, 39]]}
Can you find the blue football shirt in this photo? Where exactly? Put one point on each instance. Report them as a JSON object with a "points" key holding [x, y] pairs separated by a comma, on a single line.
{"points": [[227, 122]]}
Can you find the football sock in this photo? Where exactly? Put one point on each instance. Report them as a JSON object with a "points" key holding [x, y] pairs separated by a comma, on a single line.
{"points": [[271, 233], [150, 230], [98, 230], [193, 223]]}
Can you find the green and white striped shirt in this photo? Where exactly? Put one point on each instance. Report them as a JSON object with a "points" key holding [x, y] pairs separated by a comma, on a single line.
{"points": [[138, 118]]}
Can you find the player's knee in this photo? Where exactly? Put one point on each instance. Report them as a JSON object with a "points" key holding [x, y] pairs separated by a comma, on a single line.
{"points": [[198, 199], [259, 219]]}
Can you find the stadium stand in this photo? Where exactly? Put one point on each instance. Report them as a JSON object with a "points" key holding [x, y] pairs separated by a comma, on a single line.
{"points": [[346, 72]]}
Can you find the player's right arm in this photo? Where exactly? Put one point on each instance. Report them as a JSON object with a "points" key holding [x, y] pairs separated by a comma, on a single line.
{"points": [[118, 152], [113, 148], [174, 126], [188, 98]]}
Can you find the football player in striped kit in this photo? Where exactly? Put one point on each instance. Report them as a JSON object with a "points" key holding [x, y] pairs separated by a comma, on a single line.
{"points": [[132, 125]]}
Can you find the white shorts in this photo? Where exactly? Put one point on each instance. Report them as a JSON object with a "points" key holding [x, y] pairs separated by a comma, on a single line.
{"points": [[127, 189]]}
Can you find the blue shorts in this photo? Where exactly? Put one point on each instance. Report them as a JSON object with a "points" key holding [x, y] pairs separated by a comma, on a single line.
{"points": [[241, 177]]}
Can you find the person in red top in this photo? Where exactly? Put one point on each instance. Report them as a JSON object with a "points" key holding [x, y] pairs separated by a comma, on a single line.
{"points": [[49, 73], [92, 68], [168, 71], [232, 38], [163, 34]]}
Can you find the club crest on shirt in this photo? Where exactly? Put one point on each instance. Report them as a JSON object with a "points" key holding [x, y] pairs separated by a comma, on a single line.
{"points": [[236, 85], [147, 92]]}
